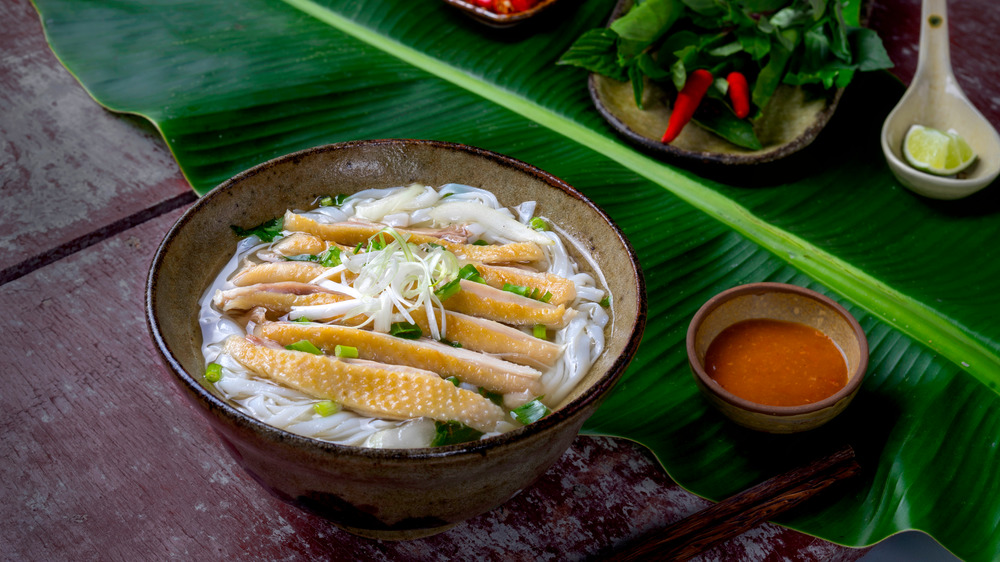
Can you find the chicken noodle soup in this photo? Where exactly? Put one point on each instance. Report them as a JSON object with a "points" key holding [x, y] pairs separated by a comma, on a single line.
{"points": [[403, 317]]}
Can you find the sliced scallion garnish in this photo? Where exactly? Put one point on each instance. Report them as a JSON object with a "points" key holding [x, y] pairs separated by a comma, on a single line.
{"points": [[606, 301], [302, 257], [470, 272], [480, 243], [346, 351], [530, 412], [326, 201], [331, 257], [213, 372], [304, 345], [326, 408], [538, 223], [494, 397], [540, 332], [454, 380], [448, 289]]}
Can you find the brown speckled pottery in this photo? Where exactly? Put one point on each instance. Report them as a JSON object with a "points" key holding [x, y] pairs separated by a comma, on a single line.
{"points": [[791, 122], [777, 301], [383, 493]]}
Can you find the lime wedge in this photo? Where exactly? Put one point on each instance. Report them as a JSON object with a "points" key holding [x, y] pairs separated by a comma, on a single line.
{"points": [[935, 152]]}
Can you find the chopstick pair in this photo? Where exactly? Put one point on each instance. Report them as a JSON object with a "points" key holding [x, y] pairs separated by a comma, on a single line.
{"points": [[739, 513]]}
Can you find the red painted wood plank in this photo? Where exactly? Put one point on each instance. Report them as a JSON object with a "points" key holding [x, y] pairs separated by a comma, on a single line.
{"points": [[105, 460], [975, 56], [67, 166]]}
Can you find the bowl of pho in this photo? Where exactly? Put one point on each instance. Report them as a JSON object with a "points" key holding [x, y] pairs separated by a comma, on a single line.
{"points": [[396, 335]]}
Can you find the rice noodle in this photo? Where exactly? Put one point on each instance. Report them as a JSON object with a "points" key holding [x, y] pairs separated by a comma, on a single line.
{"points": [[385, 289]]}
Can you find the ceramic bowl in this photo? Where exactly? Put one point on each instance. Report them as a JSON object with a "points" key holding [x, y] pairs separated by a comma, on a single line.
{"points": [[383, 493], [790, 303], [501, 21], [790, 122]]}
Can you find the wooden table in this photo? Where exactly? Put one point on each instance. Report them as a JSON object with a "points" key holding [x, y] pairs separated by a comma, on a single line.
{"points": [[104, 460]]}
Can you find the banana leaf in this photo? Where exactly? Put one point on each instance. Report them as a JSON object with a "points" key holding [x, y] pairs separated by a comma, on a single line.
{"points": [[232, 83]]}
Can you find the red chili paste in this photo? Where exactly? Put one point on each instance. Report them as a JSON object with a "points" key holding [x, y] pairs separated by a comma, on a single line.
{"points": [[776, 363]]}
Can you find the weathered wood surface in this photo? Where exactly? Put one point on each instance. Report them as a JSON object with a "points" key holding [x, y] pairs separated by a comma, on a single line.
{"points": [[102, 459], [68, 168]]}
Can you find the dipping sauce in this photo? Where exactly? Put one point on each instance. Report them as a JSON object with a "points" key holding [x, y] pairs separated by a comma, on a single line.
{"points": [[776, 363]]}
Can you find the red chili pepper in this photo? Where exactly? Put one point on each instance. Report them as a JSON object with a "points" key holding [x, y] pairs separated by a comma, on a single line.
{"points": [[687, 101], [739, 94]]}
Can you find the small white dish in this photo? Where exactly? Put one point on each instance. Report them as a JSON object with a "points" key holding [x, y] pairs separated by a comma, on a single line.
{"points": [[934, 99]]}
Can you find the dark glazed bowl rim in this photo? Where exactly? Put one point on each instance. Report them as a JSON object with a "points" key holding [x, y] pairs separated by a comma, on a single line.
{"points": [[769, 287], [238, 418]]}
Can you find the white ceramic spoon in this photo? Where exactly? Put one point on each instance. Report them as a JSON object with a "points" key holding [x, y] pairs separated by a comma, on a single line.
{"points": [[934, 99]]}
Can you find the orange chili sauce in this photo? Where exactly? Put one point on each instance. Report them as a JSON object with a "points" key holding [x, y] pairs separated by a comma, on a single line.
{"points": [[776, 363]]}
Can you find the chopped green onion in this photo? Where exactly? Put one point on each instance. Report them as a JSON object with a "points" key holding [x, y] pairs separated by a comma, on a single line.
{"points": [[213, 372], [494, 397], [326, 201], [517, 289], [405, 330], [538, 223], [530, 412], [451, 343], [331, 257], [448, 289], [339, 199], [433, 245], [606, 301], [302, 257], [302, 320], [470, 272], [454, 380], [453, 432], [357, 248], [266, 231], [326, 408], [375, 245], [304, 345], [480, 243], [345, 351], [546, 297], [540, 331]]}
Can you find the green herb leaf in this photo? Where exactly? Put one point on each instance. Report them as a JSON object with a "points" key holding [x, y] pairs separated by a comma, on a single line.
{"points": [[304, 345], [596, 51], [302, 257], [530, 412], [331, 257], [451, 343], [453, 380], [405, 330], [452, 433], [606, 301], [302, 320], [647, 22], [869, 52], [267, 231]]}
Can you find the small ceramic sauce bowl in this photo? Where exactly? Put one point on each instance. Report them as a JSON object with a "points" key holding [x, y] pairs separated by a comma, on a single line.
{"points": [[789, 303], [500, 21]]}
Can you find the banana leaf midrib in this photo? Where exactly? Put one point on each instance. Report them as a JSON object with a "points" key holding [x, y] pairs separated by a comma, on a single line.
{"points": [[914, 318]]}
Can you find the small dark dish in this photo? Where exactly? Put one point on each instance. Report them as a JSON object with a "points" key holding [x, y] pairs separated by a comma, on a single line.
{"points": [[493, 19], [383, 493], [791, 121], [790, 303]]}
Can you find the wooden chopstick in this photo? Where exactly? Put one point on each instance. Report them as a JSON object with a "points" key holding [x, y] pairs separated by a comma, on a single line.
{"points": [[737, 514]]}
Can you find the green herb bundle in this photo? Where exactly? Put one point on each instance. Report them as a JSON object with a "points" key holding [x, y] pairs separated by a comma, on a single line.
{"points": [[797, 42]]}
